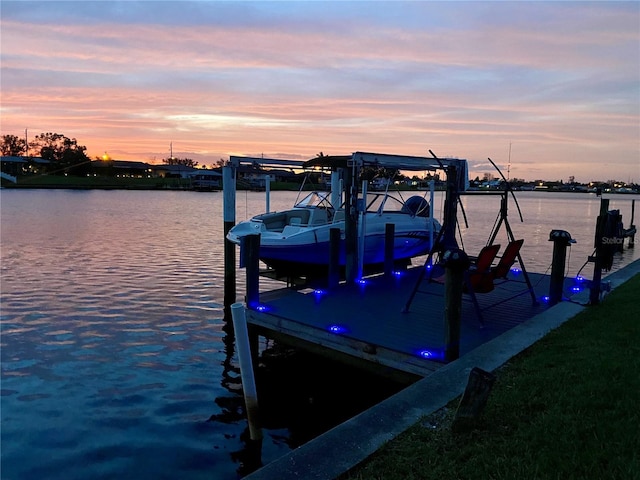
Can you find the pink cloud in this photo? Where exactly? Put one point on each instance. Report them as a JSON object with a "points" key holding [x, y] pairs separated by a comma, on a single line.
{"points": [[562, 87]]}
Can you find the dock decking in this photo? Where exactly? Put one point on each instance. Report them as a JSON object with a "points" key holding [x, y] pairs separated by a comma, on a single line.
{"points": [[365, 324]]}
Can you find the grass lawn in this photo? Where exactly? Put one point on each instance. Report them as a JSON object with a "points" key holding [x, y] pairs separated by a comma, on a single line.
{"points": [[566, 408]]}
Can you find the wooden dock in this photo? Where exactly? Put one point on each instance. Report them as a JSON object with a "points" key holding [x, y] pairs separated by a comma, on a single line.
{"points": [[364, 324], [368, 324]]}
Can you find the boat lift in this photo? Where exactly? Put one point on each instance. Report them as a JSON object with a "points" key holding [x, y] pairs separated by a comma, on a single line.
{"points": [[457, 180], [348, 167]]}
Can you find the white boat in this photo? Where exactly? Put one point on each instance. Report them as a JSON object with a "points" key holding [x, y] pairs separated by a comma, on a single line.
{"points": [[296, 241]]}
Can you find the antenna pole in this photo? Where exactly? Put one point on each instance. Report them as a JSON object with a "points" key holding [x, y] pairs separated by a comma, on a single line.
{"points": [[509, 164]]}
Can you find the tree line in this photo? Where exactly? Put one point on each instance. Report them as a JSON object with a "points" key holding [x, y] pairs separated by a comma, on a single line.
{"points": [[64, 154]]}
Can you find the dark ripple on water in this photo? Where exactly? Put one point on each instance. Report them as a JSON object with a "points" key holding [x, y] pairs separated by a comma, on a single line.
{"points": [[112, 340]]}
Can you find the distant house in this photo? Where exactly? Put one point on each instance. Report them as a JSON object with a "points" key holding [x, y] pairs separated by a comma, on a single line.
{"points": [[494, 184], [205, 180], [251, 176], [121, 168], [255, 177], [380, 184], [282, 175], [173, 171], [15, 166]]}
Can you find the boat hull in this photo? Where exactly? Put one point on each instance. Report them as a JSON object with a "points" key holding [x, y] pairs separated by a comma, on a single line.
{"points": [[312, 259], [412, 244], [296, 242]]}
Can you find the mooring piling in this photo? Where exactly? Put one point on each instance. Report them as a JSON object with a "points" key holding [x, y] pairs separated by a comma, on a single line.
{"points": [[599, 259], [632, 227], [561, 240], [333, 279], [362, 228], [250, 259], [267, 191], [389, 244], [229, 219], [243, 346], [456, 262]]}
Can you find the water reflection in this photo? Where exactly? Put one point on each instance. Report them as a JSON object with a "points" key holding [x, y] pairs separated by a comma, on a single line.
{"points": [[118, 358]]}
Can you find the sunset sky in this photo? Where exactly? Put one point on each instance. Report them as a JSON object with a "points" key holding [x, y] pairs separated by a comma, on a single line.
{"points": [[559, 82]]}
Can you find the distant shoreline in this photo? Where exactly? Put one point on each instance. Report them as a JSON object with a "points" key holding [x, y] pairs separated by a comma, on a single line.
{"points": [[57, 182]]}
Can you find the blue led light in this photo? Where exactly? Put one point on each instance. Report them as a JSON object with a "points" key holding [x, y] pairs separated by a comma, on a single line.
{"points": [[362, 281], [546, 299], [319, 292], [577, 288], [338, 329], [516, 270], [398, 273], [429, 266], [262, 308], [426, 354], [579, 278]]}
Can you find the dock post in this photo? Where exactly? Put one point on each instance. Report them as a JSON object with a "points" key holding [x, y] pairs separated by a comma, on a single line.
{"points": [[432, 189], [334, 258], [362, 228], [336, 189], [389, 239], [561, 240], [452, 197], [229, 218], [632, 237], [598, 261], [267, 191], [250, 253], [350, 227], [456, 262], [249, 390]]}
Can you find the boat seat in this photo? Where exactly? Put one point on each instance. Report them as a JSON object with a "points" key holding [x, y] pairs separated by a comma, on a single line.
{"points": [[300, 216], [319, 216]]}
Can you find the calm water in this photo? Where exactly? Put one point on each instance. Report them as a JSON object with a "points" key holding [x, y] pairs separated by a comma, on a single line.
{"points": [[116, 356]]}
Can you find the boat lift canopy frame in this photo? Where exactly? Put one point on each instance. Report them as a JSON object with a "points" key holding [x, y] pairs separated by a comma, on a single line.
{"points": [[235, 161]]}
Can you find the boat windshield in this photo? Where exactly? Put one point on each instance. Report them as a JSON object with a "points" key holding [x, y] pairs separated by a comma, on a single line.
{"points": [[381, 202], [378, 203], [315, 199]]}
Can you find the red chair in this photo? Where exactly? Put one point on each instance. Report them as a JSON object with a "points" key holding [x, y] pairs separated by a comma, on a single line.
{"points": [[501, 270], [480, 275]]}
